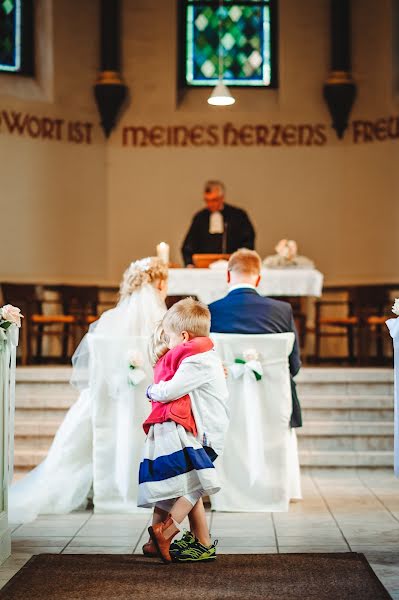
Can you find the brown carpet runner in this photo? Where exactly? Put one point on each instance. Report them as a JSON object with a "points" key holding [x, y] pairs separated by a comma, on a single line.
{"points": [[345, 576]]}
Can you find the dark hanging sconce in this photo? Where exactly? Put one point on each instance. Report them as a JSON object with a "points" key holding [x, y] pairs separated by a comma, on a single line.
{"points": [[340, 90], [110, 92]]}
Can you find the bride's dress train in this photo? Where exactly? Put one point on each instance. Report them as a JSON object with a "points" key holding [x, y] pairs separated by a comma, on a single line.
{"points": [[62, 482]]}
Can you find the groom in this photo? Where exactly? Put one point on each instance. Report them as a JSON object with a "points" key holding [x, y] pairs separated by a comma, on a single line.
{"points": [[244, 310]]}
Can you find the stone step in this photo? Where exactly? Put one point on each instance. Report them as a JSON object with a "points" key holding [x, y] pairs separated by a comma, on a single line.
{"points": [[45, 428], [348, 415], [37, 415], [345, 428], [54, 401], [27, 459], [312, 458], [351, 436], [349, 401], [347, 408]]}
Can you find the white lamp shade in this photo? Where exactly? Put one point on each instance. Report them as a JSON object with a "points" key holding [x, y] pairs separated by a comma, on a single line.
{"points": [[221, 96]]}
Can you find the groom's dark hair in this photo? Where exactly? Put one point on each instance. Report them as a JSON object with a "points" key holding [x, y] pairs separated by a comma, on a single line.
{"points": [[245, 262]]}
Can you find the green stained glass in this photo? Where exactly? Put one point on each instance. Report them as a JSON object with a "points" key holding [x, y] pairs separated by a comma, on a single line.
{"points": [[243, 56], [10, 35]]}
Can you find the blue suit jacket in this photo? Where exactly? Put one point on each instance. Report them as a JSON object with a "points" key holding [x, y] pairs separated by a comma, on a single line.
{"points": [[243, 310]]}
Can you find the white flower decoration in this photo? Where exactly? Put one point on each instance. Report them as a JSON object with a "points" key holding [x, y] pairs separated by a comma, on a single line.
{"points": [[12, 314], [250, 354], [135, 359], [287, 249], [395, 307], [144, 265]]}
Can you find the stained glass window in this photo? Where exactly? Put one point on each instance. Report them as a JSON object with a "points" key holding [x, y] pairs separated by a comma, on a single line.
{"points": [[16, 36], [232, 39]]}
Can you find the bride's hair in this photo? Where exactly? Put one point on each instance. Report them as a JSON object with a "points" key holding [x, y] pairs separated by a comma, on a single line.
{"points": [[140, 272], [157, 346]]}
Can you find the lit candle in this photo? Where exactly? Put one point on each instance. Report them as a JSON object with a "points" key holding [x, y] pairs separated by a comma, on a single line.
{"points": [[163, 252]]}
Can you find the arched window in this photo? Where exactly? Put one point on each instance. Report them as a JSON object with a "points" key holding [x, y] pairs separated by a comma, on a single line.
{"points": [[247, 31], [16, 37]]}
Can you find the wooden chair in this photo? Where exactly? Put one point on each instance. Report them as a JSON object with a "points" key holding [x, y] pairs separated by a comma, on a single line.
{"points": [[327, 326], [372, 306], [80, 303], [171, 300], [38, 323], [365, 309], [25, 297], [299, 316]]}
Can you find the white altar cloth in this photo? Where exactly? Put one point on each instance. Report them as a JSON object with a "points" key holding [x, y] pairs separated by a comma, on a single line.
{"points": [[211, 284]]}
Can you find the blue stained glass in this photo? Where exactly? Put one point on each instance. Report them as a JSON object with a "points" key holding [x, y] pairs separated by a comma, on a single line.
{"points": [[10, 35], [244, 55]]}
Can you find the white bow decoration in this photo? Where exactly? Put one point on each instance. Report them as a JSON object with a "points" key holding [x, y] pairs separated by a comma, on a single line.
{"points": [[136, 373], [249, 363], [252, 367]]}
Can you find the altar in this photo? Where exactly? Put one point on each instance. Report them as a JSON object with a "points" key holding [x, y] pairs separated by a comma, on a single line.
{"points": [[211, 284]]}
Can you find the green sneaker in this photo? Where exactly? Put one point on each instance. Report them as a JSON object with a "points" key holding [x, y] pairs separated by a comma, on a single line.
{"points": [[181, 544], [196, 552]]}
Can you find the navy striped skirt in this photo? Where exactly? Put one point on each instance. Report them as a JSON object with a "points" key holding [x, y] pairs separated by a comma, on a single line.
{"points": [[174, 464]]}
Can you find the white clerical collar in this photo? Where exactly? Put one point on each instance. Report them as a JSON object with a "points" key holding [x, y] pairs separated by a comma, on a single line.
{"points": [[239, 286], [216, 222]]}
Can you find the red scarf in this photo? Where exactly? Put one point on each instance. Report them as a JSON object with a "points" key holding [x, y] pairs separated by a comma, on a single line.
{"points": [[179, 410]]}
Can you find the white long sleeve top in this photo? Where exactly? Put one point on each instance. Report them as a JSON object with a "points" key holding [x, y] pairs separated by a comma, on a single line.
{"points": [[202, 377]]}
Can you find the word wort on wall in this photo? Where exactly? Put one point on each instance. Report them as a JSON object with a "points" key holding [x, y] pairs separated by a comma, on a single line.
{"points": [[45, 128]]}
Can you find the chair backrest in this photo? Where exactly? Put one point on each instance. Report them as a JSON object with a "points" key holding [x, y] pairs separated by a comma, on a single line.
{"points": [[255, 465], [370, 298], [274, 388], [271, 347], [79, 299], [119, 409], [23, 295]]}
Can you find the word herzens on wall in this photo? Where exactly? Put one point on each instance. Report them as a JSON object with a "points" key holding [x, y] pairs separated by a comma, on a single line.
{"points": [[45, 128]]}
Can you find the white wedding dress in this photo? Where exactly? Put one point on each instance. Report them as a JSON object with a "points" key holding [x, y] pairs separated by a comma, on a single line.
{"points": [[63, 481]]}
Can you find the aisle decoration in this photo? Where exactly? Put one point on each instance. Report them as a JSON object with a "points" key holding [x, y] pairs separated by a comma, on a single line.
{"points": [[136, 373], [393, 326], [250, 363], [9, 315], [287, 256]]}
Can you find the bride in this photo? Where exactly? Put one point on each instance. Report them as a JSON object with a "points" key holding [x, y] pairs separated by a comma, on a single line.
{"points": [[108, 414]]}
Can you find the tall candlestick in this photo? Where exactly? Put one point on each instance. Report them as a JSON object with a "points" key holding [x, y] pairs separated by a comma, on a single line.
{"points": [[163, 252]]}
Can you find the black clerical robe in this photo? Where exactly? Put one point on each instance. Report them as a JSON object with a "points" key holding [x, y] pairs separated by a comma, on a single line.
{"points": [[238, 233]]}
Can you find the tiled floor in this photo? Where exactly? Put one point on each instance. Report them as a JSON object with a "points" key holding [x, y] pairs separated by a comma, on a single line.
{"points": [[342, 510]]}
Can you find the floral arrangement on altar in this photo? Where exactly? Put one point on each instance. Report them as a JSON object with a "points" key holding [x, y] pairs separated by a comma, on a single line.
{"points": [[136, 373], [287, 256]]}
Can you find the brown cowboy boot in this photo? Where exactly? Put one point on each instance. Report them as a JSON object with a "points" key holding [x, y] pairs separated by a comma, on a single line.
{"points": [[161, 542], [150, 550]]}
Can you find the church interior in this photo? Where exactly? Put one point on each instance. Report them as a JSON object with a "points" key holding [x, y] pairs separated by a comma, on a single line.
{"points": [[187, 130]]}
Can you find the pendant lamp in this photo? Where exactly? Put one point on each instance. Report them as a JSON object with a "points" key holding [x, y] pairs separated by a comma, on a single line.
{"points": [[221, 95]]}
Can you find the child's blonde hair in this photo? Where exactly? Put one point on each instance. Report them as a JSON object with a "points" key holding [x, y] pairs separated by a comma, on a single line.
{"points": [[157, 346], [186, 315]]}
